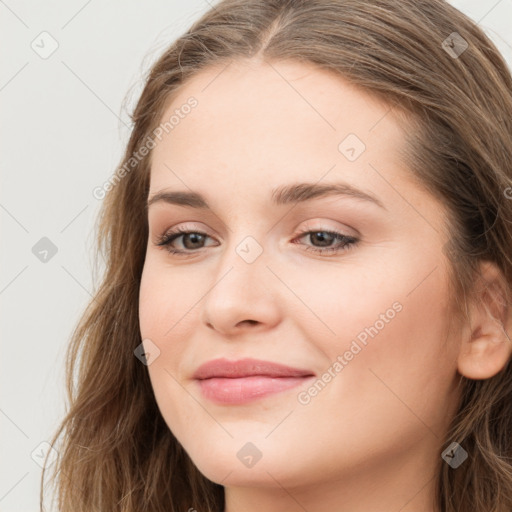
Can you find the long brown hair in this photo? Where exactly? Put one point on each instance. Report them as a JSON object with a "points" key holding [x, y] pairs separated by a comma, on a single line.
{"points": [[423, 56]]}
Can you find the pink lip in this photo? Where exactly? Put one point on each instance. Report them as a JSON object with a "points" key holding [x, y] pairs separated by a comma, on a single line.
{"points": [[238, 382]]}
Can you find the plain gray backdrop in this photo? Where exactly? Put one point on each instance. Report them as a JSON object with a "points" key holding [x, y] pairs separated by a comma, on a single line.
{"points": [[67, 68]]}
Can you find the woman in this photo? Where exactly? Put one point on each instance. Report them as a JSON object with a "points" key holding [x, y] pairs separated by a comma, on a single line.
{"points": [[308, 272]]}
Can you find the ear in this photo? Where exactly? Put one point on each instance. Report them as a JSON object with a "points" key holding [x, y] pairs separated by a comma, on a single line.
{"points": [[486, 346]]}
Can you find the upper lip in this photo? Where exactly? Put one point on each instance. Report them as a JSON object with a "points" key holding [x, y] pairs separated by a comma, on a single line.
{"points": [[246, 368]]}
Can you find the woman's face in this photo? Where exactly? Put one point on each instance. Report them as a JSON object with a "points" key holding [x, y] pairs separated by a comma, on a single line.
{"points": [[366, 324]]}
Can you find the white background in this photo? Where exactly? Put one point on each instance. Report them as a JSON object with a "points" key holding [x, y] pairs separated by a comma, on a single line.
{"points": [[63, 129]]}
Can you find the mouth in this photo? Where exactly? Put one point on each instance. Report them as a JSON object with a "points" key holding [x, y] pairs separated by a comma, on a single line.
{"points": [[238, 382]]}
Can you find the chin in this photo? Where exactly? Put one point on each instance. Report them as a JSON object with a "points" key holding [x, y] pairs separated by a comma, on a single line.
{"points": [[246, 460]]}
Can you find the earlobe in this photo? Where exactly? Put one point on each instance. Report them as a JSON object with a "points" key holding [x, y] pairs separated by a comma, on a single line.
{"points": [[486, 346]]}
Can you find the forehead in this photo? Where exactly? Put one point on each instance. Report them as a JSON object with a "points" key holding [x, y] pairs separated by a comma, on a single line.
{"points": [[262, 124]]}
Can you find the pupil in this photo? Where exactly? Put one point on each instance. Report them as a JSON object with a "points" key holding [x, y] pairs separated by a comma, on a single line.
{"points": [[195, 236], [321, 235]]}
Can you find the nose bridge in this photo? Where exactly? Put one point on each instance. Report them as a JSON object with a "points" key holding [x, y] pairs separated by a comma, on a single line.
{"points": [[248, 243], [242, 266], [239, 291]]}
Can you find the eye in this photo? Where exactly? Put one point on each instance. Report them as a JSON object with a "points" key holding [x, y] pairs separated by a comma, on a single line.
{"points": [[325, 238], [193, 240]]}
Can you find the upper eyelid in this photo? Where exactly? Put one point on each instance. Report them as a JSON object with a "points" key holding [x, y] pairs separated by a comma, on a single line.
{"points": [[310, 225]]}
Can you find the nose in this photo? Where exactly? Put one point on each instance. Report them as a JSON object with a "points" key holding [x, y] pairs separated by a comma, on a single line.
{"points": [[243, 295]]}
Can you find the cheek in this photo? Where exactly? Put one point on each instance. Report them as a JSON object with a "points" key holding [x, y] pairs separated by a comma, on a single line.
{"points": [[390, 327], [168, 318], [166, 300], [396, 384], [401, 365]]}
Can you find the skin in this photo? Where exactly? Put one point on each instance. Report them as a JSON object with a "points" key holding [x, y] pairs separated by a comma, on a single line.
{"points": [[371, 439]]}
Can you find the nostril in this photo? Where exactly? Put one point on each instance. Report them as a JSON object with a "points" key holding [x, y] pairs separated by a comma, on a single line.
{"points": [[252, 322]]}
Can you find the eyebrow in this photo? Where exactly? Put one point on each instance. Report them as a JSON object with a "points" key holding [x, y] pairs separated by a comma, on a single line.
{"points": [[283, 195]]}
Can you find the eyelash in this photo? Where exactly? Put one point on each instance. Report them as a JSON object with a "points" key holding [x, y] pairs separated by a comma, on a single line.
{"points": [[348, 241]]}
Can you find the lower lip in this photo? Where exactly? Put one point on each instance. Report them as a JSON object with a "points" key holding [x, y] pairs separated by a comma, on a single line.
{"points": [[246, 389]]}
